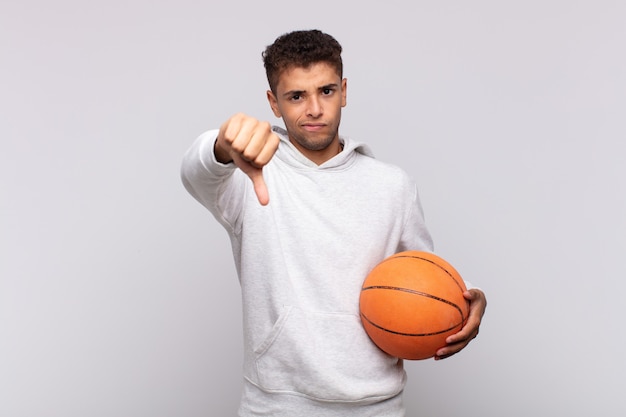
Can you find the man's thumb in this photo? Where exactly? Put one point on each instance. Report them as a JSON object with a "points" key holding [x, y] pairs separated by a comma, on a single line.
{"points": [[260, 188]]}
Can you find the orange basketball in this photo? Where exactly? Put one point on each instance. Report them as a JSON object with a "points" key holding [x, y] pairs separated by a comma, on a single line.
{"points": [[411, 302]]}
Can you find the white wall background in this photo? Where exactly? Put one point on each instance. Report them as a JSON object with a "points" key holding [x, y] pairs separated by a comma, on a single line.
{"points": [[118, 295]]}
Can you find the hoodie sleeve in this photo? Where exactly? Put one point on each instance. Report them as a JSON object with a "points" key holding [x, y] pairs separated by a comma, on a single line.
{"points": [[415, 235], [211, 183]]}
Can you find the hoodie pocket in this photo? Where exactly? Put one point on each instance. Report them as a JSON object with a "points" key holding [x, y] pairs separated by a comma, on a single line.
{"points": [[325, 356]]}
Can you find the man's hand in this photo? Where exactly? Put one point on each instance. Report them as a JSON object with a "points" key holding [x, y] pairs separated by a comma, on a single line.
{"points": [[250, 144], [458, 341]]}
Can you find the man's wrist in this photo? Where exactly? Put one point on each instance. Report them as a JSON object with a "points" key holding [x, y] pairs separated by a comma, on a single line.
{"points": [[220, 155]]}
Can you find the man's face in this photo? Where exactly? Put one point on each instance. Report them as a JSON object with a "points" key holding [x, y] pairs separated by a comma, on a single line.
{"points": [[310, 100]]}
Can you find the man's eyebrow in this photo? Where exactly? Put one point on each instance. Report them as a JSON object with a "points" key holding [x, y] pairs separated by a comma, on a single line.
{"points": [[329, 86], [293, 93]]}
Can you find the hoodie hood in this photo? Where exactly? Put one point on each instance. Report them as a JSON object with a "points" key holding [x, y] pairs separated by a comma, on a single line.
{"points": [[291, 155]]}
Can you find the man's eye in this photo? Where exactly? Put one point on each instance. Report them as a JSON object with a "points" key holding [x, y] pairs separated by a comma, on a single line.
{"points": [[295, 97], [327, 91]]}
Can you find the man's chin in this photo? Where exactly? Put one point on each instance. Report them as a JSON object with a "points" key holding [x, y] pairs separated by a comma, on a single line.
{"points": [[315, 141]]}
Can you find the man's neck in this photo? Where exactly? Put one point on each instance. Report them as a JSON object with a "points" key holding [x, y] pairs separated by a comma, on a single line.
{"points": [[320, 156]]}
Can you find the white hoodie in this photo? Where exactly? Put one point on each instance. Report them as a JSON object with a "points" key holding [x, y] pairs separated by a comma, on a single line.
{"points": [[301, 261]]}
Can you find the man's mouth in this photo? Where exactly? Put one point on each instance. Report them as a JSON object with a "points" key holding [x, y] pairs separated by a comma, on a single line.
{"points": [[313, 127]]}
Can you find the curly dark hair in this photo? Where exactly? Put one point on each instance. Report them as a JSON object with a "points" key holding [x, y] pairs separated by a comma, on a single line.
{"points": [[300, 48]]}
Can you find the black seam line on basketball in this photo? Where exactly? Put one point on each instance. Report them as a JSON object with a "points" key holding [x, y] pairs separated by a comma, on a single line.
{"points": [[407, 334], [434, 297], [428, 260]]}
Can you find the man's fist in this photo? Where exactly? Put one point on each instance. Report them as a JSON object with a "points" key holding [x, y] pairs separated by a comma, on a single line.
{"points": [[250, 144]]}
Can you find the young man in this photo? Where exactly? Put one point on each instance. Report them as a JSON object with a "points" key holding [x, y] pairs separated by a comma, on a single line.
{"points": [[309, 214]]}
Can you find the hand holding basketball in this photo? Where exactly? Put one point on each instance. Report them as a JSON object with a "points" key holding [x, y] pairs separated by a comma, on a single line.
{"points": [[458, 341], [250, 144]]}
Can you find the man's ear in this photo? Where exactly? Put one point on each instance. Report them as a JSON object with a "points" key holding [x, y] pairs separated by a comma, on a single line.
{"points": [[344, 92], [271, 98]]}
